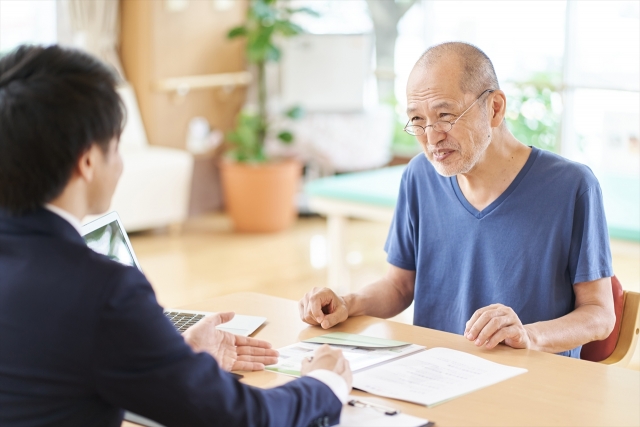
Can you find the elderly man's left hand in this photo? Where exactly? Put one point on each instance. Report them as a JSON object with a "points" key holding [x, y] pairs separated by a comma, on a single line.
{"points": [[232, 352], [494, 324]]}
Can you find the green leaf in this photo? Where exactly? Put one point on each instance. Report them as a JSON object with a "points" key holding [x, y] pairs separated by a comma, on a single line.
{"points": [[259, 45], [237, 32], [286, 137], [273, 53], [295, 113], [244, 141], [288, 28], [306, 10], [263, 10]]}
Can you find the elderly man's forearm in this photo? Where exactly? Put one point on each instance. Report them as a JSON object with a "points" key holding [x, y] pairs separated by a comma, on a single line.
{"points": [[584, 324], [379, 299]]}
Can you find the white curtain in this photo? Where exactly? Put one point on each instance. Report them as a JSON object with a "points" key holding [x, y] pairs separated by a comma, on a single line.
{"points": [[93, 25]]}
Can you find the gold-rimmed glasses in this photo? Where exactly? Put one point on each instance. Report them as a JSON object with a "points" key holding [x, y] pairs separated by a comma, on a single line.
{"points": [[441, 125]]}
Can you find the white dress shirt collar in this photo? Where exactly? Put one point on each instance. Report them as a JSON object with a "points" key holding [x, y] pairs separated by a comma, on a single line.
{"points": [[66, 216]]}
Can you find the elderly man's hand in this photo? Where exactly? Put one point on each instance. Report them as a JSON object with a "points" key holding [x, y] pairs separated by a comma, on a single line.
{"points": [[494, 324], [323, 307], [232, 352]]}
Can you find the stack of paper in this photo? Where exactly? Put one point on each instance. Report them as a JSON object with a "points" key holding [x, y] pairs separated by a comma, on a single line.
{"points": [[354, 340], [242, 325], [432, 376], [361, 352], [401, 370]]}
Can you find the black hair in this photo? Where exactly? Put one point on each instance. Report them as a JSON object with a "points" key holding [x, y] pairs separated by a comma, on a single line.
{"points": [[478, 73], [55, 103]]}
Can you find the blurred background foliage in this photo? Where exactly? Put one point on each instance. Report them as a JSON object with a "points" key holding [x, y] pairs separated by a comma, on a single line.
{"points": [[534, 108], [266, 20]]}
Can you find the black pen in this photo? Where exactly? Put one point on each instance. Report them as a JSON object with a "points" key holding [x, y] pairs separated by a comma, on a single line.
{"points": [[362, 404]]}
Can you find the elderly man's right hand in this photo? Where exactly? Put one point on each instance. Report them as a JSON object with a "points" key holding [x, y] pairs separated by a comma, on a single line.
{"points": [[323, 307]]}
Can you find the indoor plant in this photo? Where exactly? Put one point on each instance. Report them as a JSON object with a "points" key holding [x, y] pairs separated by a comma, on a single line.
{"points": [[259, 192]]}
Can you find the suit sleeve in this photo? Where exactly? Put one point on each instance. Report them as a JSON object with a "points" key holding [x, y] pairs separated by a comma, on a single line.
{"points": [[144, 365]]}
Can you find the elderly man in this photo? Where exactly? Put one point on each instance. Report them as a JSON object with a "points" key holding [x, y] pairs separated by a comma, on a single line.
{"points": [[491, 238]]}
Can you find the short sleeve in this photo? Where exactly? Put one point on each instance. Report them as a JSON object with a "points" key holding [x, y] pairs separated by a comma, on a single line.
{"points": [[590, 254], [400, 244]]}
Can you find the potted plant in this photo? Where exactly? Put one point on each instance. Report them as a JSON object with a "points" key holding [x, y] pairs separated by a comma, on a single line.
{"points": [[259, 192]]}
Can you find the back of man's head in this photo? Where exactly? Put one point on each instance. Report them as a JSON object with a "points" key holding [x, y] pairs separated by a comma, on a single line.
{"points": [[54, 104], [476, 69]]}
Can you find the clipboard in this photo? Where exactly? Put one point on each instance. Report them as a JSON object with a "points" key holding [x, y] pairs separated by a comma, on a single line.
{"points": [[359, 413]]}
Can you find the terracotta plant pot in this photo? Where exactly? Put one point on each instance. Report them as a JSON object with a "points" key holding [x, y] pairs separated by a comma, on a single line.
{"points": [[260, 198]]}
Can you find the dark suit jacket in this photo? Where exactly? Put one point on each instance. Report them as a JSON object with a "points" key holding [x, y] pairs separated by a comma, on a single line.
{"points": [[83, 337]]}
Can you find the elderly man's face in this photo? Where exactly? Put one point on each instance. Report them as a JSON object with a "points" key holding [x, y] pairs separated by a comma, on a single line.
{"points": [[434, 94]]}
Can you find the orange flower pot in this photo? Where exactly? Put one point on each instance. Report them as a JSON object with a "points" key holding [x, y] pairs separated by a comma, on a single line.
{"points": [[260, 198]]}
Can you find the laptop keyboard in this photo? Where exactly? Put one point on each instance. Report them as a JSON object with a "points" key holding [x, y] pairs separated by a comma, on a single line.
{"points": [[182, 321]]}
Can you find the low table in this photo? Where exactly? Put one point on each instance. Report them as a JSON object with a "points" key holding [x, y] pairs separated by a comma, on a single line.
{"points": [[556, 390]]}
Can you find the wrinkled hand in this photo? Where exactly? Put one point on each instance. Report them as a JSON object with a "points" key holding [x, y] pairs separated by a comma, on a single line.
{"points": [[330, 359], [323, 307], [232, 352], [494, 324]]}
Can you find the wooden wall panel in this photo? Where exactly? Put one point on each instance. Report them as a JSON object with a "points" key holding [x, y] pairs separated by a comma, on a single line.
{"points": [[157, 43]]}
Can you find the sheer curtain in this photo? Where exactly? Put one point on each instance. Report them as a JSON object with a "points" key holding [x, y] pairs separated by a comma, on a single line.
{"points": [[92, 26]]}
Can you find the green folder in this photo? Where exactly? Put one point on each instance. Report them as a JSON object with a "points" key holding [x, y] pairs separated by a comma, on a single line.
{"points": [[355, 340]]}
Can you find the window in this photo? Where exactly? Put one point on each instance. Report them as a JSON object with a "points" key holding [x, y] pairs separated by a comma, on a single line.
{"points": [[27, 21], [571, 72], [601, 126]]}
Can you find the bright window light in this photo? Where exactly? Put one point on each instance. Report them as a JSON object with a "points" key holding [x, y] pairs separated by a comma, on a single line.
{"points": [[27, 21]]}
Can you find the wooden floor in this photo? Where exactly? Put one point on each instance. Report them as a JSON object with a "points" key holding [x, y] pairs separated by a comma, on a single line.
{"points": [[206, 259]]}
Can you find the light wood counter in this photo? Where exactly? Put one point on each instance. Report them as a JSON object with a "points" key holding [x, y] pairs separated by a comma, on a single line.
{"points": [[557, 391]]}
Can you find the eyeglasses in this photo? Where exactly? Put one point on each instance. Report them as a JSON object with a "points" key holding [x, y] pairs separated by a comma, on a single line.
{"points": [[441, 125]]}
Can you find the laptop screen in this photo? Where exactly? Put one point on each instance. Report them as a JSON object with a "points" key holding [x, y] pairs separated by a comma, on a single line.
{"points": [[109, 240]]}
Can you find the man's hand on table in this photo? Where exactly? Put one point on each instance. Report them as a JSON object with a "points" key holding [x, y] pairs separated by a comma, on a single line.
{"points": [[491, 325], [329, 359], [232, 352], [323, 307]]}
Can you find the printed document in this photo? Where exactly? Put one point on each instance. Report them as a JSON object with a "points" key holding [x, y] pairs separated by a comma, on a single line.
{"points": [[291, 356], [432, 376], [355, 340]]}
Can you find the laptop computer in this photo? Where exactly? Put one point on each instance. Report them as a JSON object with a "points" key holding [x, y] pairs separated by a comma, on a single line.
{"points": [[107, 236]]}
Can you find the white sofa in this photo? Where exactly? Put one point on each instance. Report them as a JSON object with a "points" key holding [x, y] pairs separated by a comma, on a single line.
{"points": [[156, 182]]}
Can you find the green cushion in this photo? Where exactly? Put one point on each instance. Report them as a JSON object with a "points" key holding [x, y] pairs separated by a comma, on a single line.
{"points": [[377, 187]]}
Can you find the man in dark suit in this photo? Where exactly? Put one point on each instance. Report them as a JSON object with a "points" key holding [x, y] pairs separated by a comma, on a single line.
{"points": [[82, 337]]}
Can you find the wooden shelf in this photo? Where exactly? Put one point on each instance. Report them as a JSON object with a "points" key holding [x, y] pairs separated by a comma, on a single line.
{"points": [[182, 85]]}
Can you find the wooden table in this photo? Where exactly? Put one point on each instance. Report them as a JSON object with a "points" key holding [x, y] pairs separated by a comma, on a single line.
{"points": [[556, 390]]}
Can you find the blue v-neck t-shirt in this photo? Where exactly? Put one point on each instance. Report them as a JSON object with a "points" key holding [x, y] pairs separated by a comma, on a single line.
{"points": [[526, 250]]}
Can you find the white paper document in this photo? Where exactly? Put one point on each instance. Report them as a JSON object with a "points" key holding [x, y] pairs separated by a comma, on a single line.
{"points": [[242, 325], [375, 417], [291, 356], [432, 376]]}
